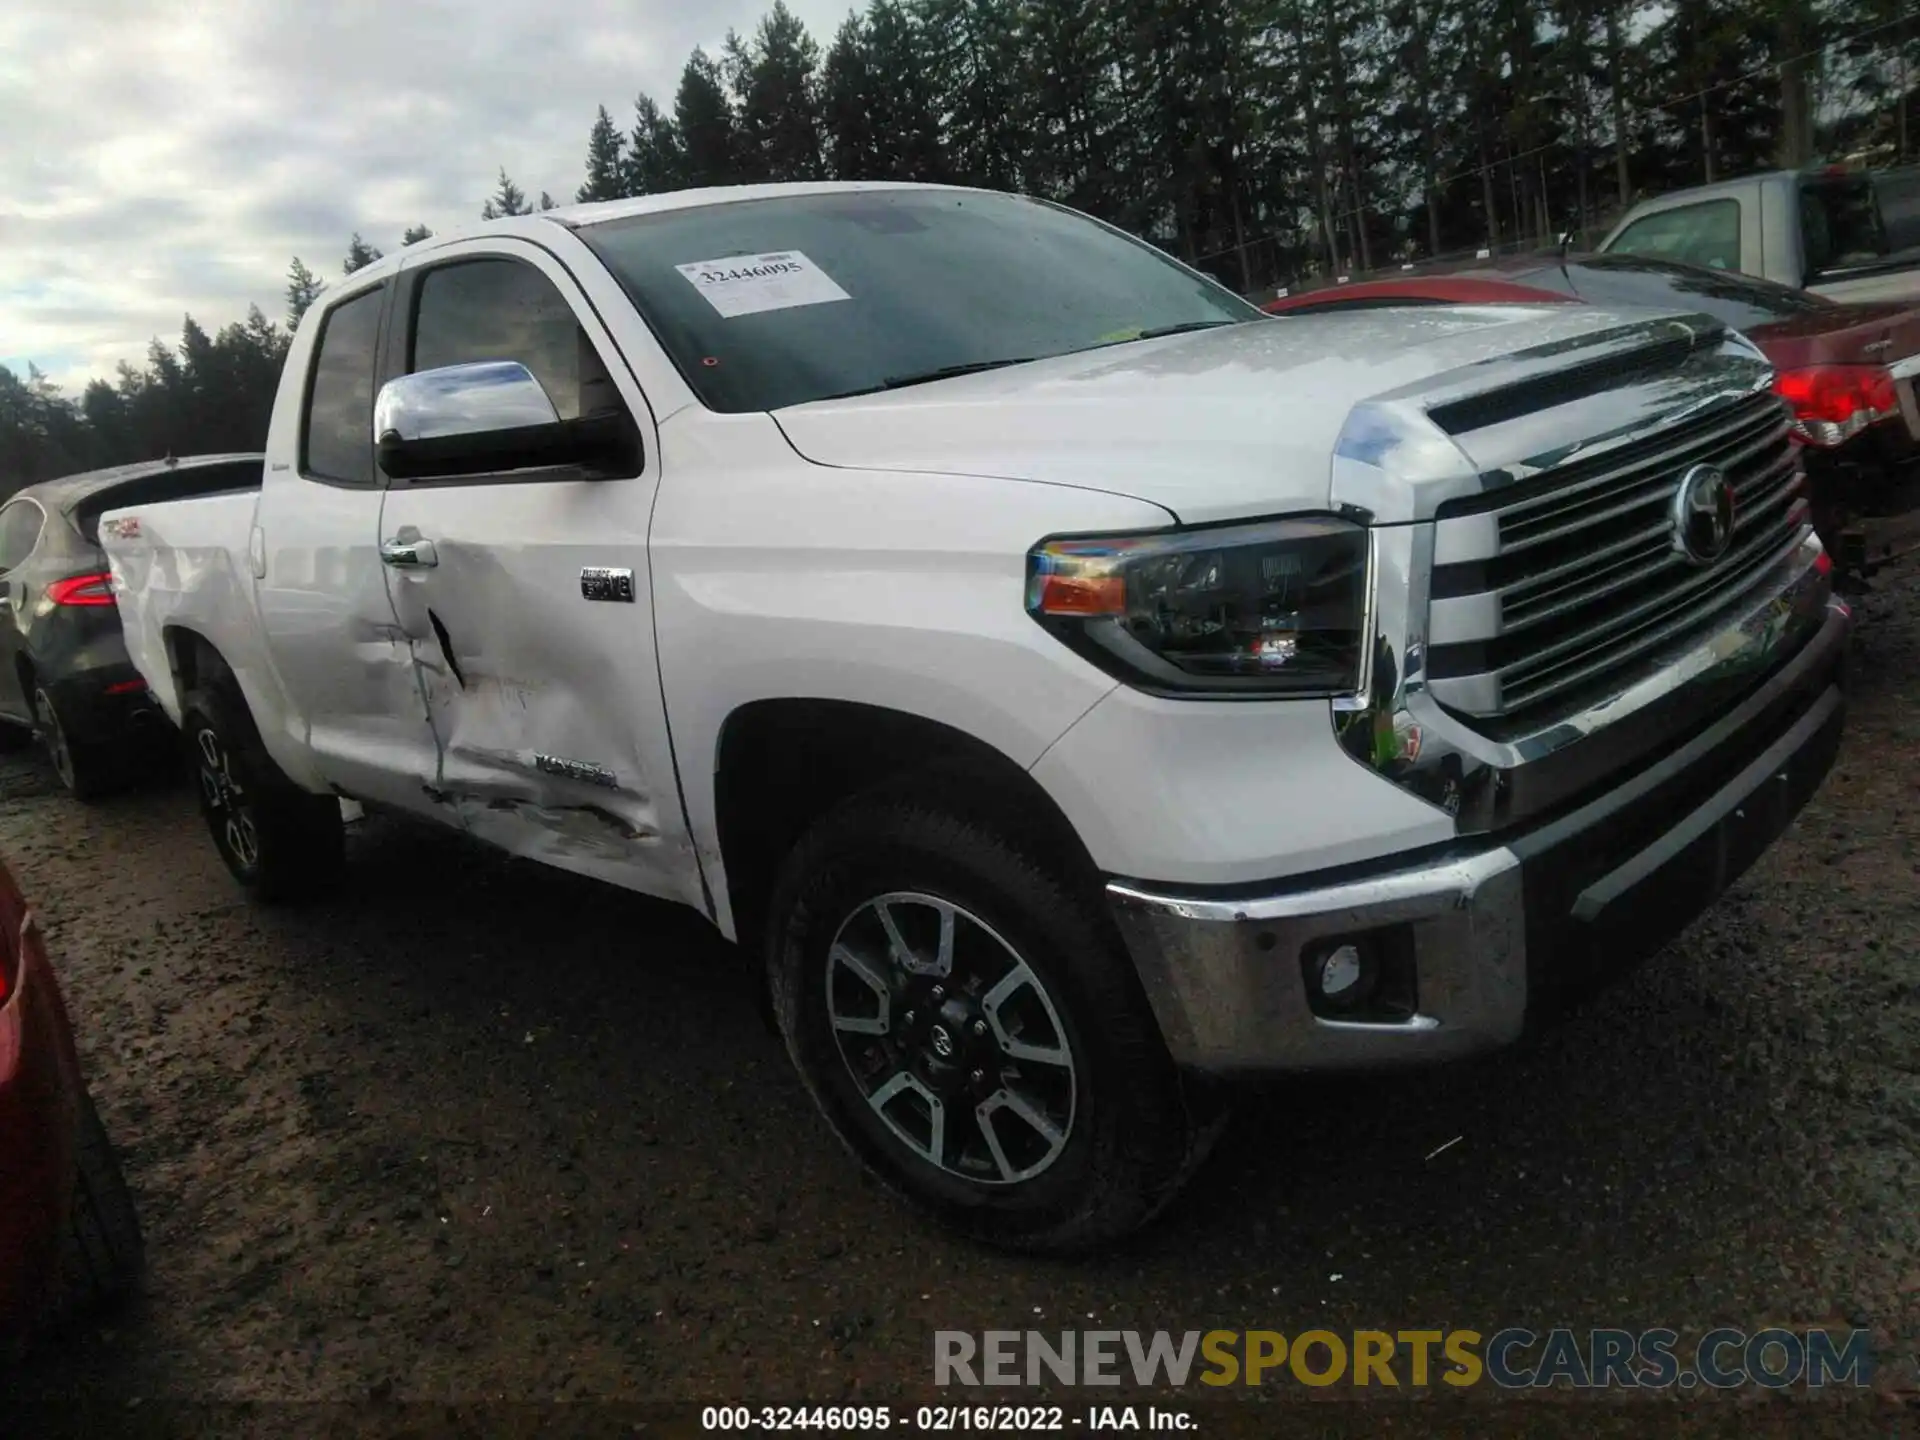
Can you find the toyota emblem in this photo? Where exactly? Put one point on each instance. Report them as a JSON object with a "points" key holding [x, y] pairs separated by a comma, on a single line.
{"points": [[1703, 515]]}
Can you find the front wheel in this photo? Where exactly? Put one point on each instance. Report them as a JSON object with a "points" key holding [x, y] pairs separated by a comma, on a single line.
{"points": [[965, 1019], [278, 840]]}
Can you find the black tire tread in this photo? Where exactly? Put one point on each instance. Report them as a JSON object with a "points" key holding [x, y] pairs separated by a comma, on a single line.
{"points": [[1164, 1132], [301, 836], [102, 1249]]}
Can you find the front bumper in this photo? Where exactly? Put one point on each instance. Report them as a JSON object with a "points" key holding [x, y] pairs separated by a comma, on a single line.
{"points": [[1500, 934]]}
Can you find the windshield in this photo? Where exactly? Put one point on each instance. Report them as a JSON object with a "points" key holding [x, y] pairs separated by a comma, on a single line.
{"points": [[1731, 298], [775, 302]]}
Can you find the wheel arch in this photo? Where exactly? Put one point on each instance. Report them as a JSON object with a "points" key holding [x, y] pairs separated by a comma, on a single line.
{"points": [[781, 764]]}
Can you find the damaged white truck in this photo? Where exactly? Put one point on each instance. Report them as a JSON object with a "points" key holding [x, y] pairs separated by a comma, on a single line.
{"points": [[1070, 684]]}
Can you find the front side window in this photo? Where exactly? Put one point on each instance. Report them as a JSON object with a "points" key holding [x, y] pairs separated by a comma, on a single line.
{"points": [[338, 428], [19, 533], [494, 309], [768, 303], [1705, 234]]}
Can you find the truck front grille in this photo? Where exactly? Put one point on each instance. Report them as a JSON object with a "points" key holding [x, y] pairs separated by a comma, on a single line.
{"points": [[1561, 589]]}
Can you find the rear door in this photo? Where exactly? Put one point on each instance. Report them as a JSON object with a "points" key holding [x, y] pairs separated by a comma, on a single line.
{"points": [[531, 620], [340, 658]]}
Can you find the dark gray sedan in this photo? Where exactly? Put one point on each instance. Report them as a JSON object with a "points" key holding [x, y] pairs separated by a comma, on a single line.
{"points": [[64, 672]]}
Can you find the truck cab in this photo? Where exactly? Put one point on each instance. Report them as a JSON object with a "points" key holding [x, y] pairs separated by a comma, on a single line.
{"points": [[1072, 687]]}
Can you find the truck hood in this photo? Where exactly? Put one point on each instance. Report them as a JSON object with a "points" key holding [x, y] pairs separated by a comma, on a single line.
{"points": [[1212, 425]]}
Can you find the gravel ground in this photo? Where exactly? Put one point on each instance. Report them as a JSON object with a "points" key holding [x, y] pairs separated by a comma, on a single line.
{"points": [[476, 1131]]}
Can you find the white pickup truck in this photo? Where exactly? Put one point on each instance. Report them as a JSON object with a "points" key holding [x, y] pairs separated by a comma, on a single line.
{"points": [[1068, 683]]}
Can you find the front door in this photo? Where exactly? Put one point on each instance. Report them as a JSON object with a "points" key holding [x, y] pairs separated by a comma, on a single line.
{"points": [[526, 594]]}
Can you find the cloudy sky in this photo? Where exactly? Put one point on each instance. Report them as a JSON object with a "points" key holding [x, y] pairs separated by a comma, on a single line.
{"points": [[162, 157]]}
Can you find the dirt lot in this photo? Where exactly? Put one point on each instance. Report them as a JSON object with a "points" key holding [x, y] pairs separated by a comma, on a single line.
{"points": [[474, 1130]]}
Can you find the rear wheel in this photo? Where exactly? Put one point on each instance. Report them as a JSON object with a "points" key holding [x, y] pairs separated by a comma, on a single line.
{"points": [[279, 841], [966, 1020], [83, 769], [101, 1251]]}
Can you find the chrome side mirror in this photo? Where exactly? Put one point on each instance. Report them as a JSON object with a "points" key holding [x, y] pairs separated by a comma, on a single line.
{"points": [[493, 418], [477, 399]]}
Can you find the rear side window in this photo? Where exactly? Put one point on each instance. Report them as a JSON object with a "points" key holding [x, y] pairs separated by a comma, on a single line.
{"points": [[1705, 234], [497, 309], [338, 427], [185, 483], [20, 526]]}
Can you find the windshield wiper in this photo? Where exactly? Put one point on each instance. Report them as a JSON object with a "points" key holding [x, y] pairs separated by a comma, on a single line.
{"points": [[1184, 327], [948, 372]]}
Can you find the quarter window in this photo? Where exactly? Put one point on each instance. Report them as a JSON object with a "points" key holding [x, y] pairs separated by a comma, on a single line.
{"points": [[1705, 234], [339, 420], [19, 533]]}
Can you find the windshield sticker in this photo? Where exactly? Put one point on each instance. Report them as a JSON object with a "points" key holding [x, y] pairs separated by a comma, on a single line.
{"points": [[748, 284]]}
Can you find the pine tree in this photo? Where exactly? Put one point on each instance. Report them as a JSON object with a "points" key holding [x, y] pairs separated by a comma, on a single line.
{"points": [[508, 200], [655, 162], [779, 100], [704, 118], [546, 201], [359, 254], [906, 126], [303, 288], [847, 98], [415, 234], [606, 165]]}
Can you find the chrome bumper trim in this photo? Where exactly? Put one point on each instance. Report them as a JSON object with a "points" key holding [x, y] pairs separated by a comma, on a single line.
{"points": [[1225, 983]]}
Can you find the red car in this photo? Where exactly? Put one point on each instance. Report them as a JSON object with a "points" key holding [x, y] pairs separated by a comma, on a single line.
{"points": [[69, 1238], [1847, 370]]}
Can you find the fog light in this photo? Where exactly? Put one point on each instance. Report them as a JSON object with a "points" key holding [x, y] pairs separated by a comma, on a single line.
{"points": [[1365, 977], [1341, 972]]}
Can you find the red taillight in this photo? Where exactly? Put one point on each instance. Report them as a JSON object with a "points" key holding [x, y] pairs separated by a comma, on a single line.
{"points": [[126, 687], [82, 590], [1833, 403]]}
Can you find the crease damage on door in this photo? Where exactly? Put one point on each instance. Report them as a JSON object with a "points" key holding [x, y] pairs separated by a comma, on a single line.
{"points": [[489, 767]]}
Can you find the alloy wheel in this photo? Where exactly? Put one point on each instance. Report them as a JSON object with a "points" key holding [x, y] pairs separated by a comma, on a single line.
{"points": [[226, 802], [951, 1037]]}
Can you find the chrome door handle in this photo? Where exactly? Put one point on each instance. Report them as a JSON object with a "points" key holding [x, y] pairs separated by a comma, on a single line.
{"points": [[408, 554]]}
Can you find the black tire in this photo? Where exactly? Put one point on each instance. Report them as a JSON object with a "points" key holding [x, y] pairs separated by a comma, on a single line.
{"points": [[101, 1250], [1131, 1137], [279, 841], [85, 771], [14, 738]]}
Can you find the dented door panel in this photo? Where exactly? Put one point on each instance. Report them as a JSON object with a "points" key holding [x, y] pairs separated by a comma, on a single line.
{"points": [[546, 703]]}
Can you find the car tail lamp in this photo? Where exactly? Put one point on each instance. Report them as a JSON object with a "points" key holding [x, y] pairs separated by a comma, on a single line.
{"points": [[1275, 608], [1833, 403], [94, 589]]}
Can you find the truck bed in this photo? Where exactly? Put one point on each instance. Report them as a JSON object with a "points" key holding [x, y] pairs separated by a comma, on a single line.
{"points": [[182, 563]]}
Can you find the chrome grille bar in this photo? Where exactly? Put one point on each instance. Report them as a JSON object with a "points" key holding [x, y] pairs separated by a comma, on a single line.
{"points": [[1584, 584]]}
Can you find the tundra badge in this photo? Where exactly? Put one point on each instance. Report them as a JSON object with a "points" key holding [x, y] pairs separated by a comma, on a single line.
{"points": [[584, 770], [599, 583]]}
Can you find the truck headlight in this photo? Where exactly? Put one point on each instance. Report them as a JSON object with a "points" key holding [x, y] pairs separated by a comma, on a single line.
{"points": [[1270, 608]]}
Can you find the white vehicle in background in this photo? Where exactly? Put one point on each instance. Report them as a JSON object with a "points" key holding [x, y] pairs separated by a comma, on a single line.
{"points": [[1068, 681], [1826, 230]]}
